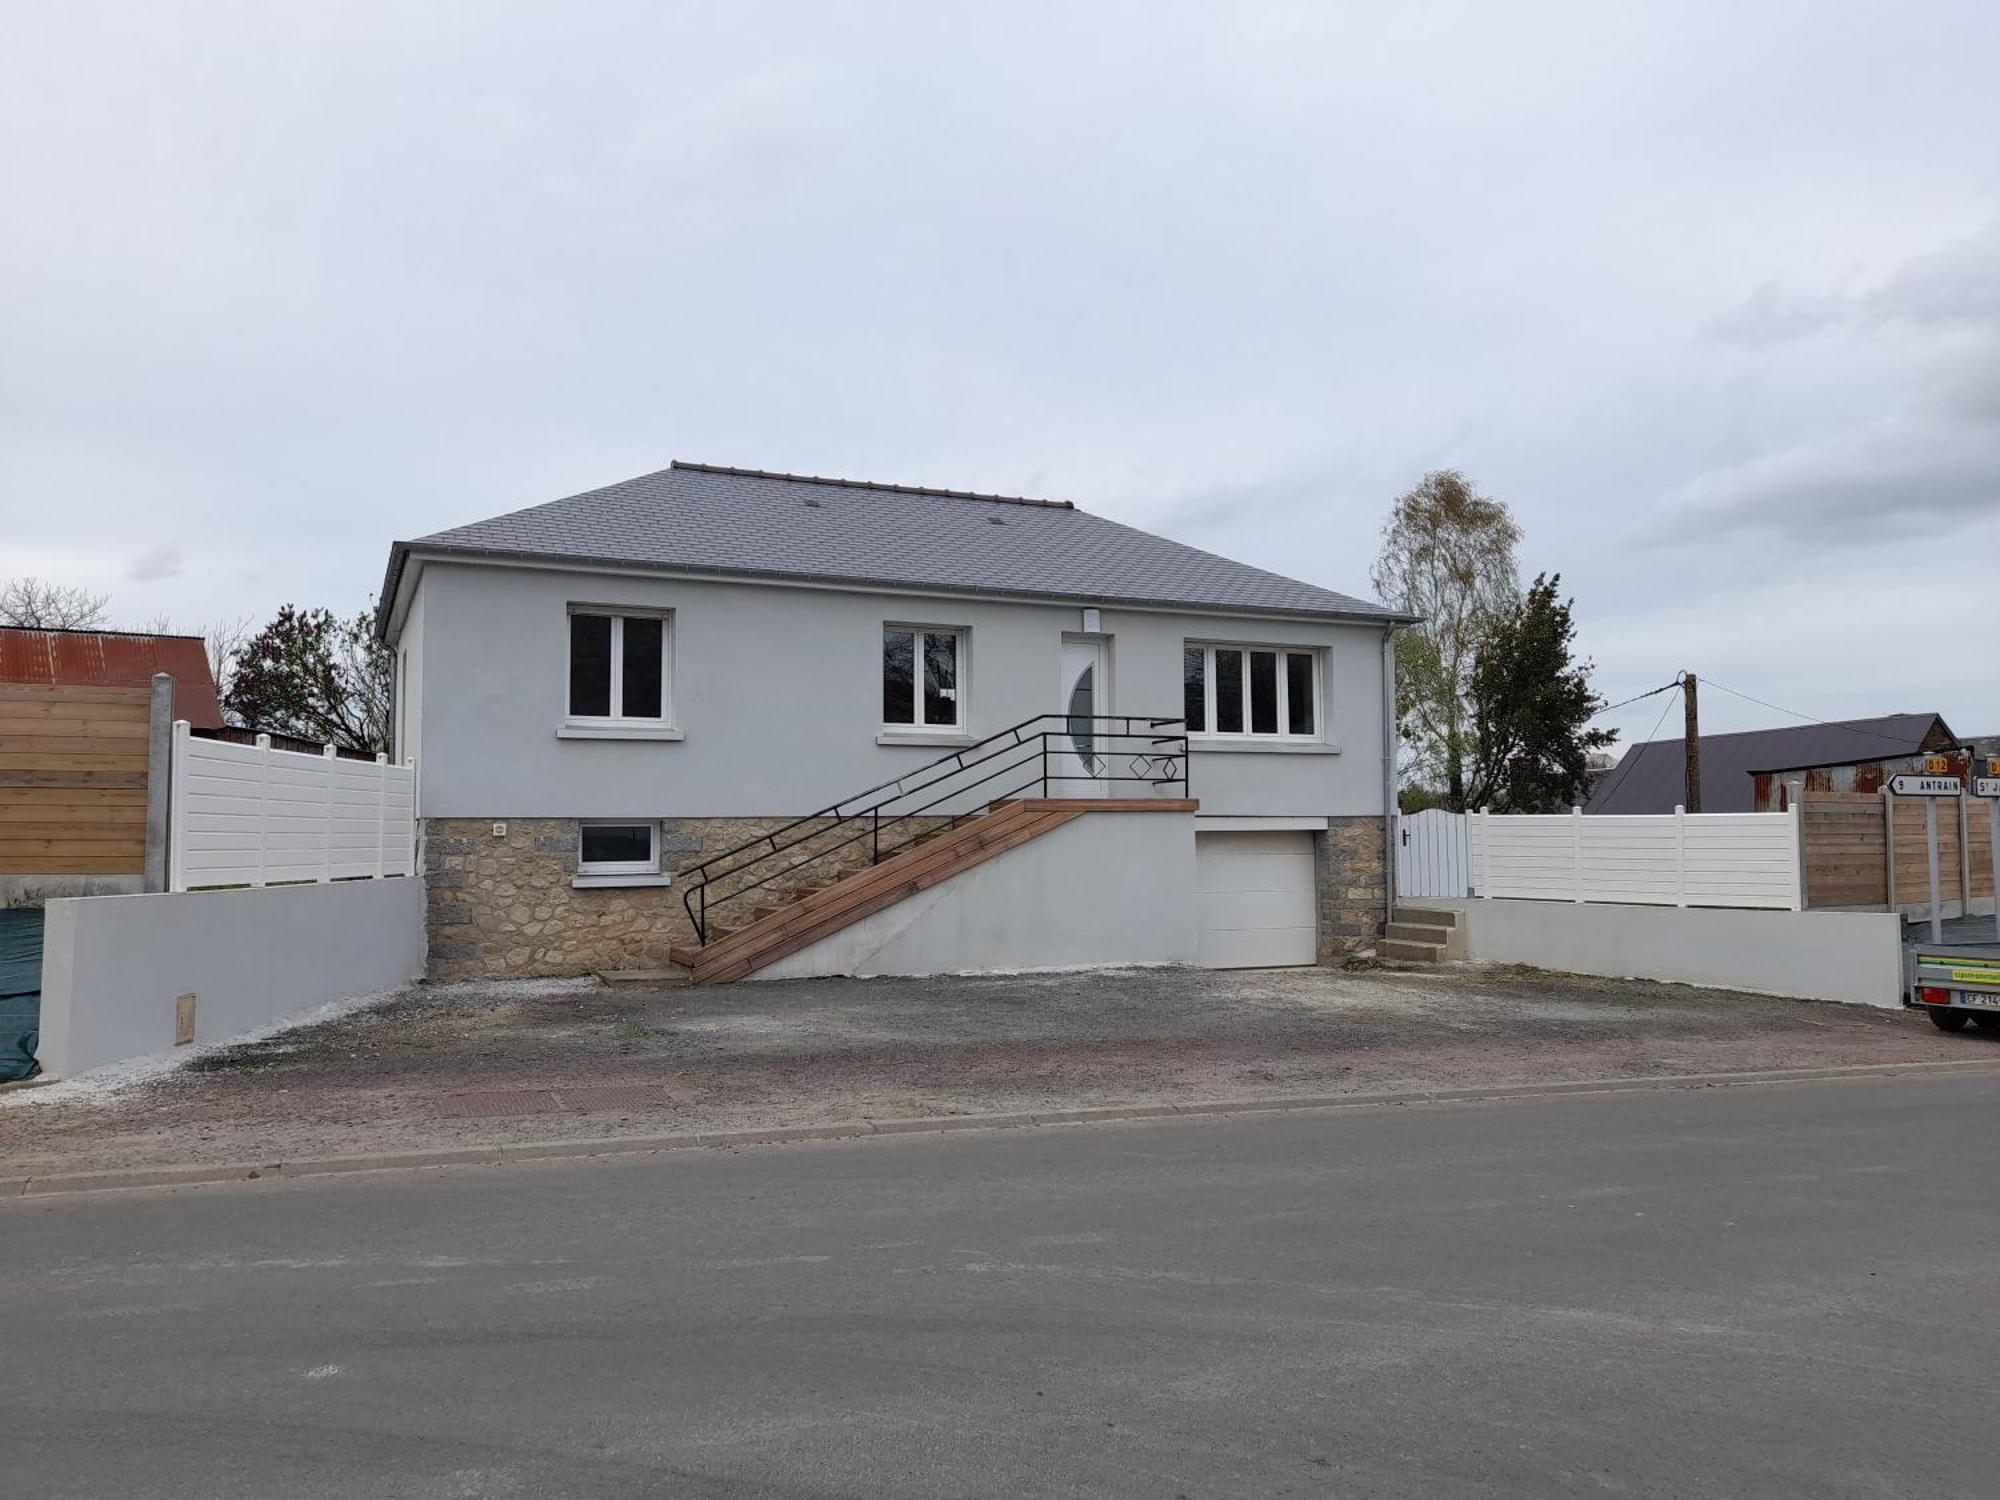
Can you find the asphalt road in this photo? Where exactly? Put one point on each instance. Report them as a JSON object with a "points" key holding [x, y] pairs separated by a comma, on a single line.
{"points": [[1783, 1290]]}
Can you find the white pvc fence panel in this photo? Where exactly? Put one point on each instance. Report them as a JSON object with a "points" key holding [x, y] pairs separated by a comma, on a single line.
{"points": [[251, 815], [1430, 854], [1669, 859]]}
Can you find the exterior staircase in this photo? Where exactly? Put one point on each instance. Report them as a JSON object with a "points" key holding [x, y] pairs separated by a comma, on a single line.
{"points": [[774, 895], [1422, 935]]}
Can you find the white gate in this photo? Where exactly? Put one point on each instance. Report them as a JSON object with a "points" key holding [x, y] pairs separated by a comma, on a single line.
{"points": [[1430, 854]]}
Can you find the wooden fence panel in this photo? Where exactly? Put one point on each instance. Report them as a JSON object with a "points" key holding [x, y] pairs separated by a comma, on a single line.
{"points": [[1847, 862], [73, 780], [1846, 850]]}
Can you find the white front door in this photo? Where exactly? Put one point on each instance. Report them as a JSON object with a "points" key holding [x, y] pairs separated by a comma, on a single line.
{"points": [[1079, 760]]}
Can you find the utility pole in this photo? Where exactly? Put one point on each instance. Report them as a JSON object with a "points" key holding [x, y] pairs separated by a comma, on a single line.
{"points": [[1692, 741]]}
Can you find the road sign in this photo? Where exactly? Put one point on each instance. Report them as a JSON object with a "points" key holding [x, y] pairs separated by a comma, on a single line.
{"points": [[1986, 786], [1926, 786]]}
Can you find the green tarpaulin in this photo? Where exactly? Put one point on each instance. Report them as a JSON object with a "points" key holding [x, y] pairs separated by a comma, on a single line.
{"points": [[20, 989]]}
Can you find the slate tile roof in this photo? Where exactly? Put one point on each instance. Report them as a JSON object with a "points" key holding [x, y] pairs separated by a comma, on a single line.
{"points": [[703, 519], [1652, 777]]}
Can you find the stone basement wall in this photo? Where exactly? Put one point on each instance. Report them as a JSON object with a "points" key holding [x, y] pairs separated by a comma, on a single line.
{"points": [[1350, 867], [505, 906]]}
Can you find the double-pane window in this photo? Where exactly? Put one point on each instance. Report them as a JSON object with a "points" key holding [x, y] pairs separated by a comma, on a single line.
{"points": [[921, 674], [617, 666]]}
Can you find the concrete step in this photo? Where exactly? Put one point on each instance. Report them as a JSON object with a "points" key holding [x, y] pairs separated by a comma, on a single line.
{"points": [[1416, 953], [1416, 932], [1426, 916]]}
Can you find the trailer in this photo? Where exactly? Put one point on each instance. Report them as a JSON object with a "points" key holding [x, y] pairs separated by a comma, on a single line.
{"points": [[1954, 986]]}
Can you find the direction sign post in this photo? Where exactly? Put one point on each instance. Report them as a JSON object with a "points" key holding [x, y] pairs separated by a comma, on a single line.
{"points": [[1930, 787], [1988, 787]]}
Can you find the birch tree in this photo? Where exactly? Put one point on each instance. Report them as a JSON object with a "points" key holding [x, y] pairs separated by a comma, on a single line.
{"points": [[1447, 555]]}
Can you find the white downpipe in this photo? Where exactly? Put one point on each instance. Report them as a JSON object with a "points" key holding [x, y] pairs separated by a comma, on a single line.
{"points": [[1389, 772]]}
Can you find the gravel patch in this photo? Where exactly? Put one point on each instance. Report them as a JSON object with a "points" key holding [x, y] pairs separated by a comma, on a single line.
{"points": [[396, 1074]]}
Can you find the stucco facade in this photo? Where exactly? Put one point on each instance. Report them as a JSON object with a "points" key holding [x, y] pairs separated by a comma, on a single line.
{"points": [[776, 694], [774, 710]]}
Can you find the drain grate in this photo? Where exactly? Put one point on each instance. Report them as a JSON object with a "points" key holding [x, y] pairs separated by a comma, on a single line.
{"points": [[494, 1102]]}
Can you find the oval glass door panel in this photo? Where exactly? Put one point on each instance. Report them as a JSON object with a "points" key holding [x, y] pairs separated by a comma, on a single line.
{"points": [[1082, 728]]}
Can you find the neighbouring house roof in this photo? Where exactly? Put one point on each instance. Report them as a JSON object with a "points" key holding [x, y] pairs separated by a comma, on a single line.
{"points": [[1651, 778], [113, 658], [746, 523]]}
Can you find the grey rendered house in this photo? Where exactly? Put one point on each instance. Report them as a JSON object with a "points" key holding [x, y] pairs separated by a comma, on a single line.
{"points": [[821, 726]]}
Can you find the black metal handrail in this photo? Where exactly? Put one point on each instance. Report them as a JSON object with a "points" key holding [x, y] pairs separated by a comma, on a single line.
{"points": [[1158, 756]]}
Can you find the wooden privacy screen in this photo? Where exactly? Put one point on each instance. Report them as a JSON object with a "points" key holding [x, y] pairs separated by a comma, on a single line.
{"points": [[1847, 860], [73, 780]]}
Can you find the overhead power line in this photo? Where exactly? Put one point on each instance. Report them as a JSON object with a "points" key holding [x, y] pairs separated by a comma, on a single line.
{"points": [[1637, 698], [1852, 728], [1631, 756]]}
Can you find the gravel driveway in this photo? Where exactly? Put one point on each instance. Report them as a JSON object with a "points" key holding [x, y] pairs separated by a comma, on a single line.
{"points": [[485, 1063]]}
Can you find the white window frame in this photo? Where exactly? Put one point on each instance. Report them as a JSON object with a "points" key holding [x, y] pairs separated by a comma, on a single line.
{"points": [[1316, 654], [602, 869], [915, 725], [619, 614]]}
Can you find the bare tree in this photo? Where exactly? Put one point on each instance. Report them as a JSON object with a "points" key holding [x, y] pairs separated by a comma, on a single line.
{"points": [[1447, 555], [225, 640], [37, 605]]}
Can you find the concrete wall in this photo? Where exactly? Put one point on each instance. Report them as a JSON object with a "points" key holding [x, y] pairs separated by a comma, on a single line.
{"points": [[113, 966], [1856, 957], [1105, 889], [34, 890], [777, 692]]}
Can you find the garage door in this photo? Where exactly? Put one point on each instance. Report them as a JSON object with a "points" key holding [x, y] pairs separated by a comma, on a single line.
{"points": [[1256, 899]]}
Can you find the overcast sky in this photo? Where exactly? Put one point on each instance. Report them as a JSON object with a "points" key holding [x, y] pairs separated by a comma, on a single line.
{"points": [[1709, 294]]}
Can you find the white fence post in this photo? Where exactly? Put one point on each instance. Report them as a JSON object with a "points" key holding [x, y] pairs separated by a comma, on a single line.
{"points": [[177, 780], [1680, 855], [381, 811], [329, 755], [415, 828], [1576, 848], [263, 810]]}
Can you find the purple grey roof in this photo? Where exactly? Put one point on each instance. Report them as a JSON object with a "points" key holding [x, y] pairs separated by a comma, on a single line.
{"points": [[1652, 778], [698, 518]]}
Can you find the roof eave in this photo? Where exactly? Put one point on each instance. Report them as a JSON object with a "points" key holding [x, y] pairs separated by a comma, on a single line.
{"points": [[401, 552]]}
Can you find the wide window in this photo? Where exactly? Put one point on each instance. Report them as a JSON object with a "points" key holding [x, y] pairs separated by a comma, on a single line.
{"points": [[617, 666], [922, 674], [1261, 692], [618, 849]]}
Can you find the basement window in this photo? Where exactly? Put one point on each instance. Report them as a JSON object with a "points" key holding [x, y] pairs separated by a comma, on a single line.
{"points": [[1251, 692], [618, 849], [612, 853]]}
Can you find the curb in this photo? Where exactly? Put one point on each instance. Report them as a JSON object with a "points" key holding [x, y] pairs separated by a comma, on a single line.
{"points": [[531, 1151]]}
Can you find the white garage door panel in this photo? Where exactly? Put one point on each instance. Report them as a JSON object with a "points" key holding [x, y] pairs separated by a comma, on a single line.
{"points": [[1256, 909], [1255, 899]]}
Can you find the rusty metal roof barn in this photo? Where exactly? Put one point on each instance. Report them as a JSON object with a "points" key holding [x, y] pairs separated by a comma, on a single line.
{"points": [[112, 658]]}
